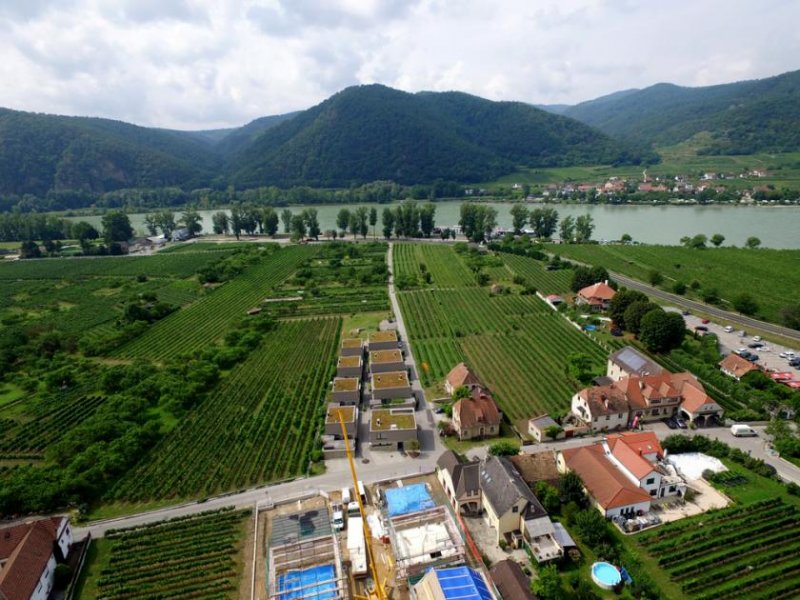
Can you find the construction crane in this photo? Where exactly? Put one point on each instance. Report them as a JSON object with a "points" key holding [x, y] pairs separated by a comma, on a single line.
{"points": [[378, 592]]}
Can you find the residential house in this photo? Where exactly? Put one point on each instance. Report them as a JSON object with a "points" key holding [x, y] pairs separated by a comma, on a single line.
{"points": [[539, 426], [390, 427], [650, 398], [697, 406], [28, 557], [461, 482], [333, 426], [181, 234], [383, 361], [510, 581], [453, 583], [351, 347], [536, 467], [512, 509], [628, 361], [476, 417], [459, 376], [735, 366], [383, 340], [602, 408], [346, 390], [349, 366], [391, 385], [597, 296]]}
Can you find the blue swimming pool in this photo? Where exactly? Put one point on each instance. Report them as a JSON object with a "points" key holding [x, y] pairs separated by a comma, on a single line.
{"points": [[605, 575], [316, 583], [408, 499]]}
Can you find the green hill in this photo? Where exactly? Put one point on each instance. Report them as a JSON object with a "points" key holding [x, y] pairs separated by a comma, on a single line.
{"points": [[370, 133], [741, 118]]}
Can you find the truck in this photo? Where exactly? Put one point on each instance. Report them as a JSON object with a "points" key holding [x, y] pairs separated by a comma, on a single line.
{"points": [[338, 516], [742, 430], [362, 492], [356, 543]]}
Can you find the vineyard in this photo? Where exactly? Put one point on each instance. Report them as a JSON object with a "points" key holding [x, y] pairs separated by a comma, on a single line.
{"points": [[259, 425], [187, 557], [775, 274], [204, 321], [516, 344], [750, 551], [446, 268], [546, 282]]}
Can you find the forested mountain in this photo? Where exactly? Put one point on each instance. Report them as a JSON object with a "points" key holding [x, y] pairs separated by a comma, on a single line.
{"points": [[369, 133], [40, 153], [237, 138], [741, 118]]}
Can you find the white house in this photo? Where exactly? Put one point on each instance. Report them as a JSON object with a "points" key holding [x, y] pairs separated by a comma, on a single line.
{"points": [[603, 408]]}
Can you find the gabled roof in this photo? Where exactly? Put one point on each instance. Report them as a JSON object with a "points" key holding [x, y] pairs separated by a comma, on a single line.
{"points": [[642, 442], [510, 581], [633, 362], [609, 487], [641, 391], [599, 291], [637, 464], [461, 375], [503, 487], [465, 475], [26, 549], [604, 400], [736, 366], [478, 408]]}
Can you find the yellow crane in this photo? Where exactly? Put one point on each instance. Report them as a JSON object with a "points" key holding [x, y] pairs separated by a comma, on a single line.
{"points": [[378, 592]]}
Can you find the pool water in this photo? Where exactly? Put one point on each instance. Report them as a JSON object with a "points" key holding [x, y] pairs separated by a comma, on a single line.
{"points": [[301, 584], [605, 575]]}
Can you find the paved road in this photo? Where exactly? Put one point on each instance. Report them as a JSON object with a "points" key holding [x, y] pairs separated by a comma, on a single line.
{"points": [[741, 321]]}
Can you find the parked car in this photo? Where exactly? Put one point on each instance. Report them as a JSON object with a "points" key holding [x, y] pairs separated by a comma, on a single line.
{"points": [[701, 328], [680, 423], [705, 321], [783, 355], [755, 345], [671, 423], [753, 357], [742, 333], [685, 312], [728, 329], [795, 362], [756, 338], [741, 351], [742, 430]]}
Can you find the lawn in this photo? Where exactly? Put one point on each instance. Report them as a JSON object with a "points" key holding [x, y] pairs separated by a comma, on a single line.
{"points": [[771, 277]]}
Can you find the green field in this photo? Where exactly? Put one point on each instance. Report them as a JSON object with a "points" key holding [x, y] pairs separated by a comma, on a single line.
{"points": [[516, 343], [441, 261], [258, 426], [772, 277], [189, 557]]}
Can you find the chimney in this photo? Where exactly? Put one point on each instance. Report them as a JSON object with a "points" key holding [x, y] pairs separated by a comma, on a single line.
{"points": [[641, 384]]}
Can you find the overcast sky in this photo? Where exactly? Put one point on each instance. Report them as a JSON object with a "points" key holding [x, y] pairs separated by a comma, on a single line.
{"points": [[194, 64]]}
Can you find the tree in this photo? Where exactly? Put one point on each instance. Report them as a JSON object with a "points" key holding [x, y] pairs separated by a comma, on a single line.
{"points": [[655, 277], [489, 221], [745, 304], [387, 220], [636, 312], [460, 392], [547, 584], [427, 216], [626, 238], [192, 220], [270, 219], [362, 221], [298, 227], [553, 431], [697, 242], [585, 276], [236, 220], [661, 331], [116, 227], [220, 223], [311, 221], [343, 220], [752, 242], [679, 288], [717, 239], [567, 229], [151, 223], [584, 226], [373, 219], [165, 220], [570, 488], [592, 527], [84, 233], [286, 219], [477, 221], [619, 304], [543, 221], [29, 249], [790, 315], [504, 449], [519, 217], [579, 365]]}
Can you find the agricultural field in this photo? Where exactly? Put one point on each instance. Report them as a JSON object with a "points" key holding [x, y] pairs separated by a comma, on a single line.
{"points": [[206, 320], [439, 260], [771, 277], [533, 271], [199, 556], [516, 343], [747, 551], [259, 425]]}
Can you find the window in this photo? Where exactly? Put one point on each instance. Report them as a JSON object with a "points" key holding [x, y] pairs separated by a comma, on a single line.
{"points": [[515, 509], [650, 481], [608, 417], [652, 492], [672, 489], [655, 411], [619, 416]]}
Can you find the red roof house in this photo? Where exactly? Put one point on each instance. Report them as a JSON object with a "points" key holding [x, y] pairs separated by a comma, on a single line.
{"points": [[461, 375], [597, 296]]}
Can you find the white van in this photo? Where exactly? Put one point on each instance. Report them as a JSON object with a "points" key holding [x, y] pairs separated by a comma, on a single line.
{"points": [[362, 492], [346, 496], [741, 430]]}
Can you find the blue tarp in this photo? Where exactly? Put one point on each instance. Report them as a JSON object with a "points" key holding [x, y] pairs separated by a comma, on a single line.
{"points": [[463, 583], [408, 499], [301, 584]]}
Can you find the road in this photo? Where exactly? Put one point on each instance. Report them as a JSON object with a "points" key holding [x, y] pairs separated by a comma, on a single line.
{"points": [[741, 321]]}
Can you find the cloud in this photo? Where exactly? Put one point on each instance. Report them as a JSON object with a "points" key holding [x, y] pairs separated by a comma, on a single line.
{"points": [[204, 63]]}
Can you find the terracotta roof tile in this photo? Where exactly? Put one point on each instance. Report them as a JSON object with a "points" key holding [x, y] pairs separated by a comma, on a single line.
{"points": [[605, 483], [461, 375]]}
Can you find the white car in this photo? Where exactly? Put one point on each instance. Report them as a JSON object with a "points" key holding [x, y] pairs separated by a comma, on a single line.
{"points": [[728, 329], [756, 338], [783, 355], [740, 350]]}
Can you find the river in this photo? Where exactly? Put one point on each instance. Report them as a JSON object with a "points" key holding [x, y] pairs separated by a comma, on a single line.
{"points": [[776, 227]]}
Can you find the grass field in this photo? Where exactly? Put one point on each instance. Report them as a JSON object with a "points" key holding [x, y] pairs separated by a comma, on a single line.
{"points": [[441, 261], [189, 557], [516, 343], [258, 426], [772, 277]]}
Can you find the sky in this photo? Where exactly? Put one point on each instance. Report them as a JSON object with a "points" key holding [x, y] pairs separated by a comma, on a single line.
{"points": [[204, 64]]}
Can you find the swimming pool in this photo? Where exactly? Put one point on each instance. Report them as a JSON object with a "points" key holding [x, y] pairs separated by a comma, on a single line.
{"points": [[408, 499], [316, 583], [605, 575]]}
